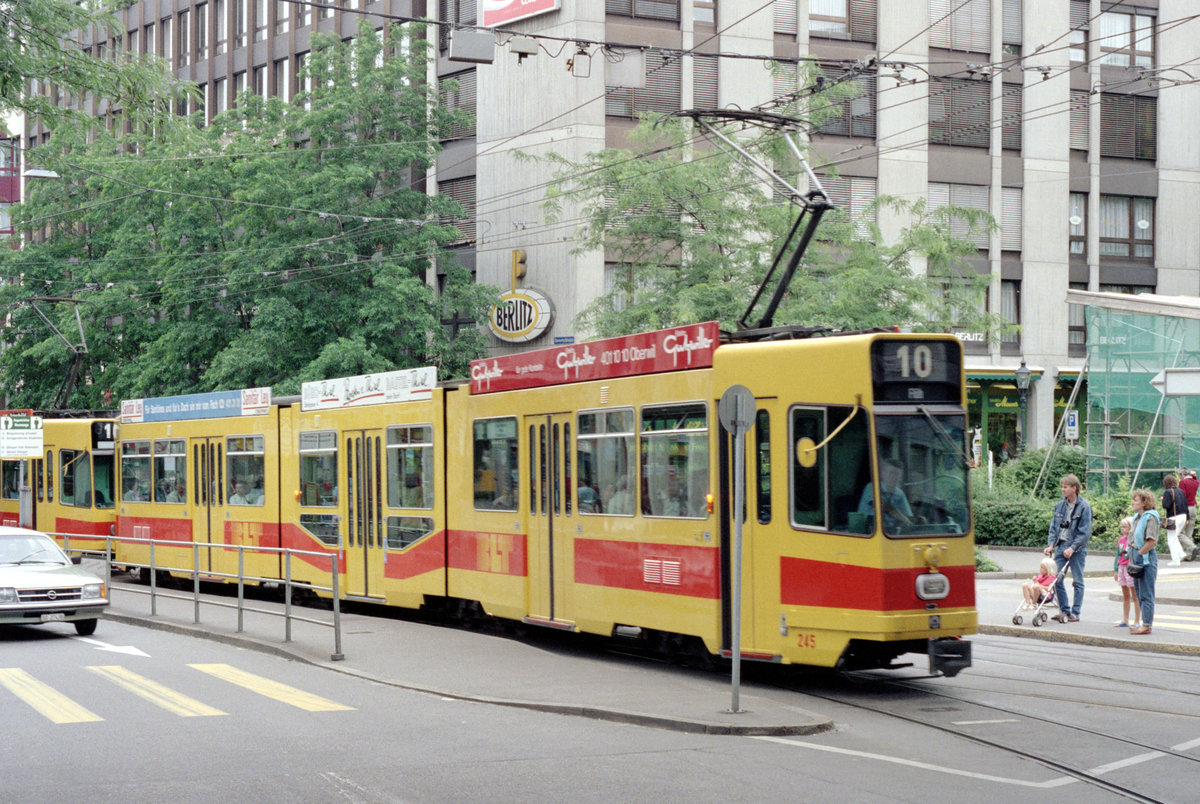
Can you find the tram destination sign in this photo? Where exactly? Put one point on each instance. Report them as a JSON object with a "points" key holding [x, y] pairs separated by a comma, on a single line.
{"points": [[672, 349]]}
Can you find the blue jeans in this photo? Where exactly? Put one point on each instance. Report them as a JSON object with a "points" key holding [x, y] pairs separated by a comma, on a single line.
{"points": [[1144, 586], [1076, 562]]}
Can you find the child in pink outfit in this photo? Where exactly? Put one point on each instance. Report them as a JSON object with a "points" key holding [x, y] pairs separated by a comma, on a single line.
{"points": [[1041, 586], [1125, 580]]}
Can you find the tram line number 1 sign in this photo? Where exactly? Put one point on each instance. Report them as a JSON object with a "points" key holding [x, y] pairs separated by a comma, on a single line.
{"points": [[20, 434]]}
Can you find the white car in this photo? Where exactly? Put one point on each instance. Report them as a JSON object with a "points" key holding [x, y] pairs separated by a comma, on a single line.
{"points": [[39, 583]]}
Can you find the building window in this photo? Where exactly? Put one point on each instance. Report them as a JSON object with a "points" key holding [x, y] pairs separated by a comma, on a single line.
{"points": [[1080, 102], [1076, 322], [785, 17], [221, 24], [1126, 39], [958, 25], [704, 11], [644, 9], [857, 112], [461, 12], [1080, 24], [239, 86], [220, 99], [283, 16], [854, 195], [1128, 126], [661, 93], [260, 20], [241, 11], [463, 191], [1010, 310], [201, 31], [959, 112], [841, 19], [1078, 223], [283, 82], [1013, 109], [704, 82], [461, 99], [1011, 214], [259, 80], [184, 45], [1126, 227], [168, 40], [974, 196], [149, 40]]}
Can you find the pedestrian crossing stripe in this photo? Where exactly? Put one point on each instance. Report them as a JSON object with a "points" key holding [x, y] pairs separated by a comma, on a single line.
{"points": [[271, 689], [154, 692], [57, 707]]}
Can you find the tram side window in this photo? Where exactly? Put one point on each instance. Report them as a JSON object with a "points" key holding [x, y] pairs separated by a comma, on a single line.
{"points": [[75, 489], [12, 479], [50, 473], [605, 455], [318, 468], [409, 472], [170, 470], [245, 470], [38, 474], [675, 460], [826, 482], [135, 471], [496, 464], [405, 530], [762, 475]]}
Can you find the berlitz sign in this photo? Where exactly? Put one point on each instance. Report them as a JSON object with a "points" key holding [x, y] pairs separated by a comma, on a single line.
{"points": [[499, 12], [521, 316]]}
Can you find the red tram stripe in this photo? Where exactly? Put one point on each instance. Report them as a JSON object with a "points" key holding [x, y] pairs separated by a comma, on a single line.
{"points": [[663, 568], [80, 527], [804, 582], [483, 551]]}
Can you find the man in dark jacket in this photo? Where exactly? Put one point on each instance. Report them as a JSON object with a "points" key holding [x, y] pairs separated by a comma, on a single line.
{"points": [[1070, 530]]}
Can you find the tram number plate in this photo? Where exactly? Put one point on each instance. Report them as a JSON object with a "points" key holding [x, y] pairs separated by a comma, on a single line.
{"points": [[807, 641], [54, 616], [935, 621]]}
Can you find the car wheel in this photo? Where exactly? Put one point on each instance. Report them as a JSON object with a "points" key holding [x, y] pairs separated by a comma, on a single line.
{"points": [[85, 627]]}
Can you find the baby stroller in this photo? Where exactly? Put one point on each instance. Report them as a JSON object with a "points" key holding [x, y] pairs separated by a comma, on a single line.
{"points": [[1045, 601]]}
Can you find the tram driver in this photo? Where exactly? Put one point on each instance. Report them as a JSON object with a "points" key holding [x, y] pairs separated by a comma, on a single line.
{"points": [[896, 510]]}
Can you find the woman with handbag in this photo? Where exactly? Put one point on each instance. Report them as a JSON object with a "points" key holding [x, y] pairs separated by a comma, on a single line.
{"points": [[1143, 560]]}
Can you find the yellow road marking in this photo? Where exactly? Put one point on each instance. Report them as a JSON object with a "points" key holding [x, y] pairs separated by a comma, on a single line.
{"points": [[271, 689], [45, 699], [154, 692]]}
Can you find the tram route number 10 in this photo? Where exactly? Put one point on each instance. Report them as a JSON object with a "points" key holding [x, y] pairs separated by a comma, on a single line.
{"points": [[916, 360]]}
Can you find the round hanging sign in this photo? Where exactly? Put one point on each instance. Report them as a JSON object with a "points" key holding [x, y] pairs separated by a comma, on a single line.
{"points": [[522, 315]]}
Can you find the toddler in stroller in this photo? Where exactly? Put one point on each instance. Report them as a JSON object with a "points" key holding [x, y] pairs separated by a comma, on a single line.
{"points": [[1038, 593]]}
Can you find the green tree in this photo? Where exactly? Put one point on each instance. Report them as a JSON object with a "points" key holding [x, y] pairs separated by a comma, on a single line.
{"points": [[281, 244], [696, 233], [38, 45]]}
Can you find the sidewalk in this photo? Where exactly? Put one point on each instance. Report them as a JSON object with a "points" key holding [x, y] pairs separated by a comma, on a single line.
{"points": [[1176, 616], [568, 676]]}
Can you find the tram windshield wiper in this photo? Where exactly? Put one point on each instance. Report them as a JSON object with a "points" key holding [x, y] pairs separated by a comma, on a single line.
{"points": [[957, 449]]}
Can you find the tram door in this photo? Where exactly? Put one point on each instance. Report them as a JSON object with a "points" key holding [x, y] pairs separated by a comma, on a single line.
{"points": [[209, 498], [365, 523], [549, 501]]}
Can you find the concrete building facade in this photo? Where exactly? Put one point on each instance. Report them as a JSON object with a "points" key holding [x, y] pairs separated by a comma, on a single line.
{"points": [[1072, 122]]}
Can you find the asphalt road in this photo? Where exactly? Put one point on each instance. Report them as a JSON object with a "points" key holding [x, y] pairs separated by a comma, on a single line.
{"points": [[138, 714]]}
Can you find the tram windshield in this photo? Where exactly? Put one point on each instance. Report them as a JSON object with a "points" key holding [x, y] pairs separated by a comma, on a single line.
{"points": [[923, 474]]}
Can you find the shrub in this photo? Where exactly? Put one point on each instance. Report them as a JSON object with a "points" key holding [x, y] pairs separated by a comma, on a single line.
{"points": [[984, 563]]}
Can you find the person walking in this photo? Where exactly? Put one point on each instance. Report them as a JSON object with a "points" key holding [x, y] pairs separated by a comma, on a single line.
{"points": [[1143, 555], [1067, 541], [1188, 484], [1174, 502]]}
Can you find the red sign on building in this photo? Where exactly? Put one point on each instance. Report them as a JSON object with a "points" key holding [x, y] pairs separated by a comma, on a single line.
{"points": [[672, 349], [499, 12]]}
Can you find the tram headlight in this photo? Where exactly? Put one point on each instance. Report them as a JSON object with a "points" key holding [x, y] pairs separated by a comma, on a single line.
{"points": [[933, 586]]}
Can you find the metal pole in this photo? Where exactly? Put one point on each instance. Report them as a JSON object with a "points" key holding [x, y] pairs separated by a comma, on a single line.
{"points": [[739, 450], [153, 583], [287, 596], [196, 581], [241, 585], [337, 615], [108, 566]]}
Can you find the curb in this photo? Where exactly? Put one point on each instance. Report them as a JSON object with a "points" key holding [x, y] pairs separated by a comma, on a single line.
{"points": [[816, 725], [1092, 641]]}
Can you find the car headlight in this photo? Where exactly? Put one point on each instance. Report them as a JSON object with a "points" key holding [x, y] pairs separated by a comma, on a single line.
{"points": [[93, 590], [8, 594]]}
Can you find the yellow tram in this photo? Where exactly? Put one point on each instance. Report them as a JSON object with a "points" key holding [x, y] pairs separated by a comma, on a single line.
{"points": [[589, 488]]}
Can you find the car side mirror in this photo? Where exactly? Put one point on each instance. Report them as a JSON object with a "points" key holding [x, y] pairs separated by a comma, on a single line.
{"points": [[76, 559]]}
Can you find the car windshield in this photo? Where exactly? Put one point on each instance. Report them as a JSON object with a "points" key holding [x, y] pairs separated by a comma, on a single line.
{"points": [[923, 471], [30, 550]]}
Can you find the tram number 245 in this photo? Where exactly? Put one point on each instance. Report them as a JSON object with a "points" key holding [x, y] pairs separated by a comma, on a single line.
{"points": [[807, 641]]}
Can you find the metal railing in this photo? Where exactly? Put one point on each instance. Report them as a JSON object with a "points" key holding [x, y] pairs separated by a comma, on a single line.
{"points": [[197, 574]]}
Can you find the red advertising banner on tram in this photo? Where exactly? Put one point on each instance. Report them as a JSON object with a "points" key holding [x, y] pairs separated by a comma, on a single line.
{"points": [[672, 349]]}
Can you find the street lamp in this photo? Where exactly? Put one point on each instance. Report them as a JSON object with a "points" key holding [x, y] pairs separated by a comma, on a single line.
{"points": [[1023, 374]]}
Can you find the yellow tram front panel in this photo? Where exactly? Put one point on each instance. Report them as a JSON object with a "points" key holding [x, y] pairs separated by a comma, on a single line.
{"points": [[819, 570], [365, 482], [71, 488], [212, 480]]}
